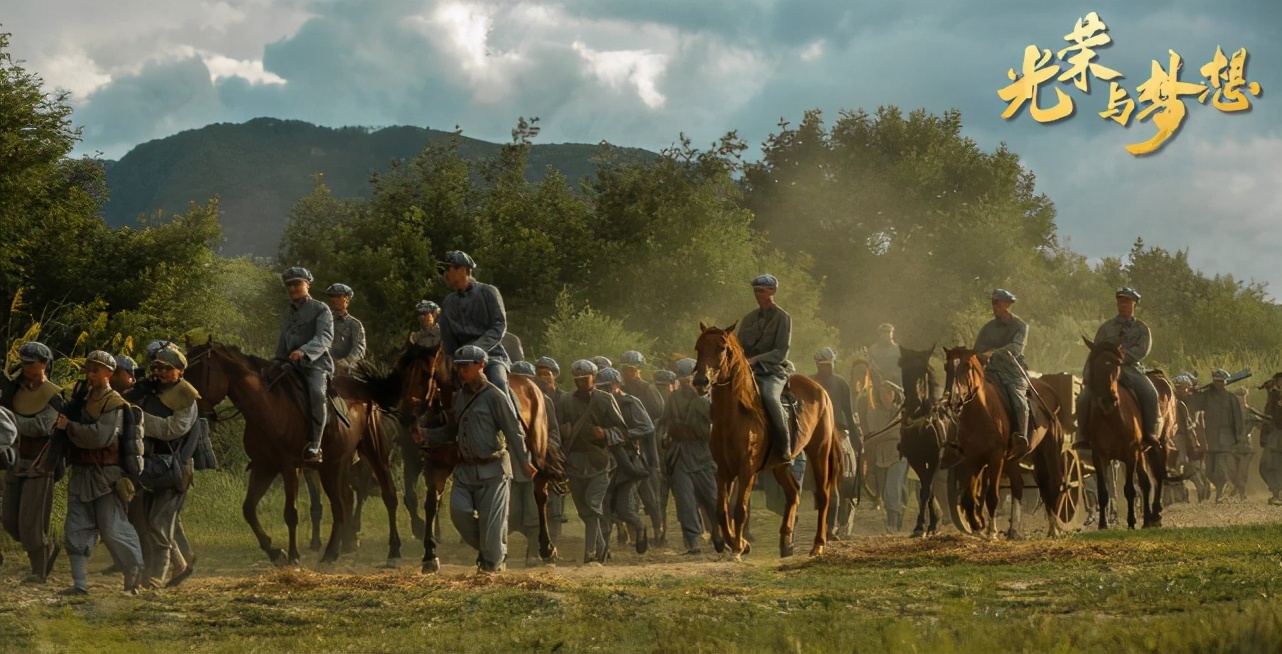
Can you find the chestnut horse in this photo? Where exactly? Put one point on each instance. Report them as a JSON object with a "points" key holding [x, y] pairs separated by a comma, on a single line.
{"points": [[984, 433], [740, 444], [922, 432], [272, 399], [1114, 430], [421, 386]]}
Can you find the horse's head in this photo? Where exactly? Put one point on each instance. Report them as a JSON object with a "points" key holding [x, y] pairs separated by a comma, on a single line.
{"points": [[713, 353], [1273, 405], [206, 373], [425, 378], [963, 375], [918, 378], [1103, 368]]}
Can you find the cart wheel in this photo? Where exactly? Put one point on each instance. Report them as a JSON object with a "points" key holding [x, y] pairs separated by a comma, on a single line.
{"points": [[954, 501], [1072, 488]]}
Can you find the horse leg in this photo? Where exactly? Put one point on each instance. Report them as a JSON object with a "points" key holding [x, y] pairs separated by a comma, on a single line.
{"points": [[791, 494], [992, 496], [431, 503], [1102, 483], [259, 481], [315, 510], [547, 551], [291, 513], [1050, 479], [1016, 478], [823, 472], [923, 499], [1129, 492], [728, 532], [383, 475], [1146, 492], [412, 467], [742, 494], [353, 498], [1157, 466], [334, 480]]}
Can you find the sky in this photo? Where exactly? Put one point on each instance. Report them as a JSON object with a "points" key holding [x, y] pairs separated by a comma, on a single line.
{"points": [[640, 73]]}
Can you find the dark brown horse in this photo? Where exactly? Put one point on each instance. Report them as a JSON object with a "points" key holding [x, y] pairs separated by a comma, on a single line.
{"points": [[272, 399], [984, 426], [421, 386], [1114, 429], [922, 432], [740, 444]]}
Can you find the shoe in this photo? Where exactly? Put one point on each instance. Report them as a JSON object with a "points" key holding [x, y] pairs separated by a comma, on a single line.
{"points": [[182, 575], [643, 542], [313, 454], [133, 579], [693, 551], [74, 591], [1020, 440]]}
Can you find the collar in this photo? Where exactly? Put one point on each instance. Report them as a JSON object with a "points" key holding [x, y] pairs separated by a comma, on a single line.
{"points": [[1119, 318], [341, 316], [298, 304], [32, 387], [467, 289]]}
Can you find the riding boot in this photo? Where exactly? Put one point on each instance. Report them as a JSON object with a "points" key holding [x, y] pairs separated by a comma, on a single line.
{"points": [[79, 575], [133, 579], [1019, 431]]}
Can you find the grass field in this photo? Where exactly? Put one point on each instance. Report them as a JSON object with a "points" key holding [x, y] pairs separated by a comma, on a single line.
{"points": [[1179, 589]]}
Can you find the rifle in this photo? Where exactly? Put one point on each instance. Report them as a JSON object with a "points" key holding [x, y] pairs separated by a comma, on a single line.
{"points": [[1238, 376]]}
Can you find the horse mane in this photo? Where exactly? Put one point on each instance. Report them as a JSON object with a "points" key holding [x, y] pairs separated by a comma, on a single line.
{"points": [[746, 393]]}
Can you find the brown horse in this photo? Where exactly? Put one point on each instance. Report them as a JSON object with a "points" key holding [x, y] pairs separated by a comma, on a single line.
{"points": [[421, 386], [272, 399], [922, 432], [1115, 433], [984, 426], [740, 445]]}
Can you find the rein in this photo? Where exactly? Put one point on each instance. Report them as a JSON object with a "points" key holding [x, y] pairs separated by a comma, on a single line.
{"points": [[213, 416]]}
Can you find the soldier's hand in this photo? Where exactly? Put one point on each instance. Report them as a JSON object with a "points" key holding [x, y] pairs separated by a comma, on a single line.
{"points": [[530, 470], [598, 433], [296, 356], [61, 422]]}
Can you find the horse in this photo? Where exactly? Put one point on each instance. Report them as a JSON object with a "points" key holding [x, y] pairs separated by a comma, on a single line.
{"points": [[1114, 431], [922, 432], [421, 386], [740, 445], [984, 426], [272, 399], [363, 484]]}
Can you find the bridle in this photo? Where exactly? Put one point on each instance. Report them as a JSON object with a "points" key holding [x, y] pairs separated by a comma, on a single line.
{"points": [[208, 353]]}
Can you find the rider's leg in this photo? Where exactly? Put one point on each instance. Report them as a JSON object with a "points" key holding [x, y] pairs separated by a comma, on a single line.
{"points": [[316, 398], [771, 391], [1146, 395]]}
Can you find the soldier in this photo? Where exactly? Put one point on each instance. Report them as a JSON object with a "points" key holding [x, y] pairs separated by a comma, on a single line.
{"points": [[1245, 451], [474, 315], [665, 381], [1189, 445], [888, 470], [1225, 430], [1000, 345], [884, 355], [429, 333], [95, 506], [170, 416], [1136, 341], [847, 424], [348, 346], [28, 497], [523, 513], [125, 375], [305, 337], [546, 370], [687, 420], [590, 420], [479, 501], [601, 362], [512, 344], [630, 468], [766, 335], [651, 489]]}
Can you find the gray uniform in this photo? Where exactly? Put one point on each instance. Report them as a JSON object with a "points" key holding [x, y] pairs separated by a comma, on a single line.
{"points": [[843, 501], [556, 501], [429, 337], [588, 462], [1136, 343], [766, 336], [630, 471], [479, 501], [309, 326], [349, 343], [170, 415], [94, 507], [1225, 431], [885, 358], [687, 420], [475, 316], [28, 497], [1005, 368], [652, 489]]}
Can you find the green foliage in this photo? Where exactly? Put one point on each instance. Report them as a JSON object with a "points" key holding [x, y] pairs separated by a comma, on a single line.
{"points": [[581, 333]]}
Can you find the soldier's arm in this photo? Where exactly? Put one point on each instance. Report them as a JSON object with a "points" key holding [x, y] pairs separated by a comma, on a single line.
{"points": [[171, 428], [96, 435], [844, 405], [701, 418], [640, 426], [505, 416], [324, 338], [282, 346], [8, 434], [41, 424], [1141, 342], [783, 342], [1017, 340], [498, 320], [608, 415], [358, 345]]}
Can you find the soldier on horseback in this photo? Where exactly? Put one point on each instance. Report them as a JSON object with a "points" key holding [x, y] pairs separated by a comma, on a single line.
{"points": [[1136, 341], [766, 335], [429, 333], [1000, 345], [348, 347], [305, 337], [474, 315]]}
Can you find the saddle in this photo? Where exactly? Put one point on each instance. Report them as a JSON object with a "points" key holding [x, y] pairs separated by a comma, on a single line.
{"points": [[297, 387], [791, 413]]}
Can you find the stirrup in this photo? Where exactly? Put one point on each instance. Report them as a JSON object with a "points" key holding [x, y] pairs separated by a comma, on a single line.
{"points": [[313, 453]]}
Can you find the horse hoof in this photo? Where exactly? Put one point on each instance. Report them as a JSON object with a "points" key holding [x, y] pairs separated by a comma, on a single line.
{"points": [[737, 557], [719, 546], [277, 556], [431, 567], [747, 548], [550, 556], [786, 550], [918, 533], [1013, 535], [817, 550], [315, 545], [392, 563]]}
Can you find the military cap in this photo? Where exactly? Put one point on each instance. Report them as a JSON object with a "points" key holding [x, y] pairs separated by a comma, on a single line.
{"points": [[523, 368], [549, 363], [1182, 380], [1219, 374], [156, 346], [1002, 295], [826, 355], [335, 290], [1127, 291], [170, 356], [101, 358], [296, 273], [607, 376], [33, 351], [426, 306], [685, 368], [458, 258], [767, 280], [469, 354], [632, 359], [664, 376], [885, 327], [602, 362], [126, 363], [583, 368]]}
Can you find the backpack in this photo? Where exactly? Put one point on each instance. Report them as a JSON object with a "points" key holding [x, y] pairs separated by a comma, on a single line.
{"points": [[168, 470], [130, 448]]}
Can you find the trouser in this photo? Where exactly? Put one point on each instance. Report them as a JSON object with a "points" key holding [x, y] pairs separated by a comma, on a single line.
{"points": [[102, 517], [621, 500], [523, 514], [159, 547], [181, 556], [1271, 469], [771, 387], [1218, 469], [479, 512], [318, 404], [895, 491], [1241, 471], [649, 487], [1016, 388], [589, 501], [28, 504], [695, 490]]}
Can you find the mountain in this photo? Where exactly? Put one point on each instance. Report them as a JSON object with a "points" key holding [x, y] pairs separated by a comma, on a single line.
{"points": [[260, 168]]}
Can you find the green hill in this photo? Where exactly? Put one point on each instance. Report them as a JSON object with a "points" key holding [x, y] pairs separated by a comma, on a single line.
{"points": [[260, 168]]}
